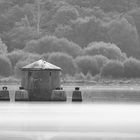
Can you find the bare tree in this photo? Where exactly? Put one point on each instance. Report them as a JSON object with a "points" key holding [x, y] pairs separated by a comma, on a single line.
{"points": [[38, 17]]}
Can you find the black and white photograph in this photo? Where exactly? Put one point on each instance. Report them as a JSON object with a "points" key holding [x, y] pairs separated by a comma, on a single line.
{"points": [[69, 69]]}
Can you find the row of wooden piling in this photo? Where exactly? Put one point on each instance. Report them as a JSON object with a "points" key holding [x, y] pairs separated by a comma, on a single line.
{"points": [[24, 95]]}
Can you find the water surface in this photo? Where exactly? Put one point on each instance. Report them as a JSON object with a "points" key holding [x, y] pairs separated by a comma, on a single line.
{"points": [[69, 119]]}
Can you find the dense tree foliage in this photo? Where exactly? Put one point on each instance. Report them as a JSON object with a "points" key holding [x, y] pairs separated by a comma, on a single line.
{"points": [[16, 56], [87, 64], [118, 5], [18, 37], [53, 44], [111, 51], [92, 36], [5, 66], [113, 68], [107, 5], [125, 36], [3, 48], [135, 14], [84, 31], [64, 61], [65, 14], [132, 68], [20, 56], [101, 60]]}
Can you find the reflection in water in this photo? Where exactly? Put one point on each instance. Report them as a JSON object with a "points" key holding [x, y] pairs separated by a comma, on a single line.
{"points": [[47, 120]]}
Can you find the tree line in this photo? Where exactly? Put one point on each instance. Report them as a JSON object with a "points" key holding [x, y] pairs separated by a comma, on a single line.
{"points": [[100, 37]]}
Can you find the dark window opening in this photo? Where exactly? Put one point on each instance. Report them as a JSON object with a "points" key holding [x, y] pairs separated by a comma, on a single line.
{"points": [[29, 73]]}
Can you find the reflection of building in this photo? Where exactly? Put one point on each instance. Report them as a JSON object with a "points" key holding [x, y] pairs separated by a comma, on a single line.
{"points": [[40, 78]]}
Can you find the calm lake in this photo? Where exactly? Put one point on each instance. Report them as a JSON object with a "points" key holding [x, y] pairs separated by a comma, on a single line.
{"points": [[69, 121], [73, 121]]}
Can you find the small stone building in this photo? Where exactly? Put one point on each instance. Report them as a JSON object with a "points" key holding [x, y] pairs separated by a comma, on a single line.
{"points": [[39, 79]]}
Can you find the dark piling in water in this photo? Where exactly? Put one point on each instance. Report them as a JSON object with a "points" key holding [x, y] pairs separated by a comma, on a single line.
{"points": [[77, 95], [4, 94]]}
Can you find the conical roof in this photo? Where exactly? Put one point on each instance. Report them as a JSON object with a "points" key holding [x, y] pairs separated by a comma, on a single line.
{"points": [[40, 65]]}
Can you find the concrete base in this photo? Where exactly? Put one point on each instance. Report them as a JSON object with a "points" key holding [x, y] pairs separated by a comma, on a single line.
{"points": [[58, 95], [77, 96], [39, 95], [77, 100], [4, 95], [2, 99], [21, 95]]}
